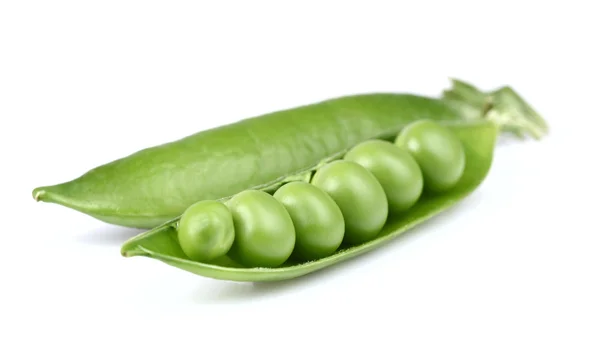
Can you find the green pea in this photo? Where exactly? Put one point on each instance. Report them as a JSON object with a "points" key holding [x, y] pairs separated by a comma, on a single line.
{"points": [[205, 230], [395, 169], [359, 196], [318, 221], [438, 152], [264, 231]]}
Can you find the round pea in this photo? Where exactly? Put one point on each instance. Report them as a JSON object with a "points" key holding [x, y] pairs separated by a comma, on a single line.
{"points": [[395, 169], [359, 196], [205, 230], [438, 152], [264, 231], [318, 221]]}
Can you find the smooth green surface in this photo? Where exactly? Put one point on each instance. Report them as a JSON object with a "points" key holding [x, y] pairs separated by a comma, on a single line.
{"points": [[478, 139], [359, 196], [156, 184], [395, 169], [205, 230], [264, 231], [438, 152], [318, 221]]}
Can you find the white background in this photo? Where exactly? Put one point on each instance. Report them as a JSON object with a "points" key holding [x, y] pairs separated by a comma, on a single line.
{"points": [[513, 269]]}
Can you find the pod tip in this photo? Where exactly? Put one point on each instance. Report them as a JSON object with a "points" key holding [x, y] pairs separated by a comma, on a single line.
{"points": [[128, 251], [38, 194]]}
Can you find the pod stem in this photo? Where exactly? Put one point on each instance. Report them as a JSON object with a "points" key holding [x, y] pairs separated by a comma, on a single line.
{"points": [[503, 106]]}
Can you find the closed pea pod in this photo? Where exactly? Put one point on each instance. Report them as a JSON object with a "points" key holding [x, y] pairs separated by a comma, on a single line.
{"points": [[438, 152], [156, 184], [395, 169], [205, 230], [358, 194], [160, 182], [318, 221], [264, 231]]}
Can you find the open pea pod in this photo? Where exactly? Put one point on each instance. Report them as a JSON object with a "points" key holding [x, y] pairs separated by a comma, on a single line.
{"points": [[479, 141]]}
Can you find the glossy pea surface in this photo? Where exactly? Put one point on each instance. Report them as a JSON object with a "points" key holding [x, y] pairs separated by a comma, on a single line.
{"points": [[206, 231], [318, 221], [359, 196], [395, 169], [264, 231], [438, 152]]}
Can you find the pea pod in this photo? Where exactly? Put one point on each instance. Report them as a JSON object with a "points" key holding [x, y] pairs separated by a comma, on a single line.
{"points": [[478, 139], [157, 184]]}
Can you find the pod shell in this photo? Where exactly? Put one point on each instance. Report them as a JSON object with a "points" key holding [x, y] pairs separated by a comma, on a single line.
{"points": [[157, 184]]}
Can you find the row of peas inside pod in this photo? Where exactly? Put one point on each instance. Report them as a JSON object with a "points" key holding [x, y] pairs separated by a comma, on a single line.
{"points": [[347, 201]]}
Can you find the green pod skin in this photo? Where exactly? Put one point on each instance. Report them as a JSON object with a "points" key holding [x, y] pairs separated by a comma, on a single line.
{"points": [[318, 221], [264, 231], [359, 196], [395, 169], [205, 231], [157, 184], [438, 152]]}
